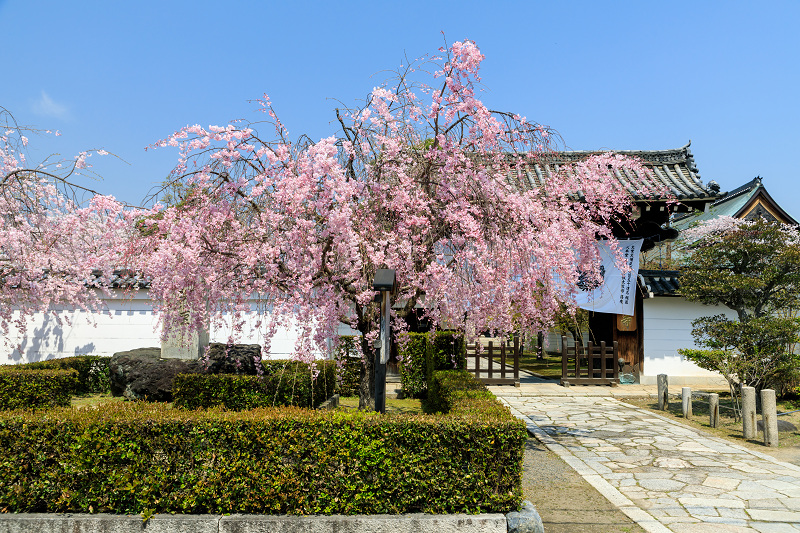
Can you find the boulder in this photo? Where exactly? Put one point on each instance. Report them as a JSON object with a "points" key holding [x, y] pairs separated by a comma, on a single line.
{"points": [[141, 374], [233, 359], [526, 520]]}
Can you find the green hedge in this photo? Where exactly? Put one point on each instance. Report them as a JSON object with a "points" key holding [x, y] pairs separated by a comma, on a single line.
{"points": [[93, 375], [456, 390], [22, 388], [423, 354], [349, 365], [137, 457], [283, 383], [413, 364]]}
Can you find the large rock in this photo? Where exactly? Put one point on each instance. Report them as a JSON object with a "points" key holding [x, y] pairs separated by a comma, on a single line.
{"points": [[234, 359], [526, 520], [141, 374]]}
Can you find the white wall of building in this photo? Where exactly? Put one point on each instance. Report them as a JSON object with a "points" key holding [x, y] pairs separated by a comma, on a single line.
{"points": [[667, 328], [130, 323]]}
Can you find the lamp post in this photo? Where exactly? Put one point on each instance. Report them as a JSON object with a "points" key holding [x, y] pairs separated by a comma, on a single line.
{"points": [[385, 282]]}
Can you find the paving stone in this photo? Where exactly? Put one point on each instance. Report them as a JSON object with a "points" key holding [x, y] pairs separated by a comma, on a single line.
{"points": [[721, 482], [662, 485], [659, 472]]}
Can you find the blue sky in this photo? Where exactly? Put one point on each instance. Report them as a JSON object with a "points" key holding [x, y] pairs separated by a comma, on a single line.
{"points": [[615, 75]]}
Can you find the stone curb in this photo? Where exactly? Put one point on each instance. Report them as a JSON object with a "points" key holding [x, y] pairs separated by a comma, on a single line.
{"points": [[107, 523]]}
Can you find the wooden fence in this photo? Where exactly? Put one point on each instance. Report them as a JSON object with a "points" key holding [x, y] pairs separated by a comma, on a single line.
{"points": [[503, 371], [589, 365]]}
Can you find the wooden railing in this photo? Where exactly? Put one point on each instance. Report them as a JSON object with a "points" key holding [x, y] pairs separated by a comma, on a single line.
{"points": [[481, 363], [589, 365]]}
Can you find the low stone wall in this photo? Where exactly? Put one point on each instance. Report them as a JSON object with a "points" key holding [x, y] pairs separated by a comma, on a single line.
{"points": [[105, 523]]}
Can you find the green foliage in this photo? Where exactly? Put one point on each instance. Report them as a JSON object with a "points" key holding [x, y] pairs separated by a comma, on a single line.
{"points": [[413, 364], [283, 383], [423, 354], [449, 387], [141, 458], [752, 268], [22, 388], [93, 375], [755, 352], [350, 365]]}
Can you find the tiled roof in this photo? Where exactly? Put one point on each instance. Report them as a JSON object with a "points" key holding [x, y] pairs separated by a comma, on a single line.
{"points": [[659, 282], [675, 170]]}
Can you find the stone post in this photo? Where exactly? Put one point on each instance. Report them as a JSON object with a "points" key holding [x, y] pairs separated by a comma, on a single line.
{"points": [[748, 412], [769, 417], [179, 346], [663, 393], [713, 409], [686, 399]]}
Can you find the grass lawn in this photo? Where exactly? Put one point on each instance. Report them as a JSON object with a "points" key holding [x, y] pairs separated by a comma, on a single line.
{"points": [[393, 406], [549, 367], [90, 400]]}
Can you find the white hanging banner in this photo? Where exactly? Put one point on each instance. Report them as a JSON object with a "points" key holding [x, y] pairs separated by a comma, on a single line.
{"points": [[617, 293]]}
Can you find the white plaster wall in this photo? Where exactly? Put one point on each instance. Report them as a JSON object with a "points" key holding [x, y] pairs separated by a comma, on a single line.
{"points": [[667, 328], [130, 324]]}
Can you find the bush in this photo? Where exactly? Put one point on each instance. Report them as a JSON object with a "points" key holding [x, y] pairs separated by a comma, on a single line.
{"points": [[93, 375], [349, 365], [22, 388], [413, 365], [450, 387], [422, 356], [283, 383], [128, 457]]}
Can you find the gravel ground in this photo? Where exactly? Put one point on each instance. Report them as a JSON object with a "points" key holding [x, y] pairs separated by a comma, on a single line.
{"points": [[565, 501]]}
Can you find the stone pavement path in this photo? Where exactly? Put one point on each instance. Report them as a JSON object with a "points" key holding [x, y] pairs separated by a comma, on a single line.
{"points": [[664, 475]]}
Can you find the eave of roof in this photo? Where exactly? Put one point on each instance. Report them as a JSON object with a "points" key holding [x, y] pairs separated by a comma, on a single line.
{"points": [[674, 170], [659, 283]]}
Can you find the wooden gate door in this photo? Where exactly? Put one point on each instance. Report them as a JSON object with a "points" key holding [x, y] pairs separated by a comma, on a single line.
{"points": [[589, 365], [497, 363]]}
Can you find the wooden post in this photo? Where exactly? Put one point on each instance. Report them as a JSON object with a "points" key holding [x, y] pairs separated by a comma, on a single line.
{"points": [[713, 409], [748, 412], [769, 417], [491, 359], [564, 357], [663, 393], [614, 361], [602, 360], [686, 400], [477, 360], [590, 361], [503, 360], [517, 349]]}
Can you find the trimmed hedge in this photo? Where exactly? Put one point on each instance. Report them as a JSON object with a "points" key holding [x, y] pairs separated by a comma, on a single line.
{"points": [[283, 383], [453, 391], [22, 388], [424, 354], [132, 457], [414, 365], [93, 375], [349, 365]]}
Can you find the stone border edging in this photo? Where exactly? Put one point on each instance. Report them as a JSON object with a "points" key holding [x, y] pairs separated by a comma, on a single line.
{"points": [[162, 523]]}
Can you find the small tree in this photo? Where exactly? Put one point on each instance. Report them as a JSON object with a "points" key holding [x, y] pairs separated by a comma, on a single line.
{"points": [[418, 179], [751, 267]]}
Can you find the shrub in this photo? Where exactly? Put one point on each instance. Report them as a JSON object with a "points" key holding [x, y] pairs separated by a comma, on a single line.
{"points": [[349, 365], [424, 354], [22, 388], [413, 365], [283, 383], [450, 387], [128, 457], [93, 375]]}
